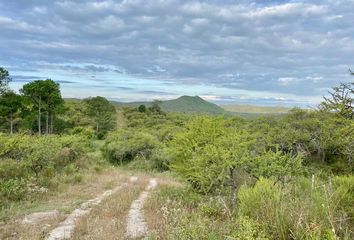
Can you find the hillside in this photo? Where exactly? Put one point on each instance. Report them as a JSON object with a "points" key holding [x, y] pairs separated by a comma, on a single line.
{"points": [[191, 105], [195, 104], [236, 108], [185, 104]]}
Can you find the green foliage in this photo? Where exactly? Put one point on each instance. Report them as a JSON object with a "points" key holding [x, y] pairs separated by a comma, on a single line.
{"points": [[10, 104], [188, 104], [341, 100], [248, 229], [83, 131], [124, 146], [266, 210], [142, 108], [264, 203], [295, 211], [184, 104], [275, 164], [4, 79], [43, 95], [155, 107], [31, 160], [103, 113], [13, 189], [209, 152]]}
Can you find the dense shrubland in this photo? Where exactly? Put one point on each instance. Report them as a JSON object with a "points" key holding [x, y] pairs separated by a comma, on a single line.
{"points": [[30, 164], [47, 140], [274, 177], [142, 142]]}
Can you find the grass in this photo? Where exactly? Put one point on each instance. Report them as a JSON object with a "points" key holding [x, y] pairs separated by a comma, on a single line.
{"points": [[266, 210], [108, 221], [255, 109], [66, 198]]}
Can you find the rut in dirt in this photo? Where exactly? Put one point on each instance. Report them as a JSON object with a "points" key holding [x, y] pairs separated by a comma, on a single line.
{"points": [[136, 224]]}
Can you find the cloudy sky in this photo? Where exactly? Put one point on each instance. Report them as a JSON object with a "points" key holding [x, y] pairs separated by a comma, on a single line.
{"points": [[260, 52]]}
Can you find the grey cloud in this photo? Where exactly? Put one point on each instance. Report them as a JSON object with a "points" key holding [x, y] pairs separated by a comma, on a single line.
{"points": [[156, 92], [247, 45]]}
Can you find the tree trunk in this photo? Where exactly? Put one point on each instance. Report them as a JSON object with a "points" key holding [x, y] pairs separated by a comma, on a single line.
{"points": [[39, 118], [11, 124], [233, 188], [51, 123], [97, 119], [47, 123]]}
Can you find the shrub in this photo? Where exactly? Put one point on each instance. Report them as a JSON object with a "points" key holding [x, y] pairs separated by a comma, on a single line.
{"points": [[36, 161], [294, 211], [11, 169], [265, 203], [13, 189], [124, 145], [247, 229]]}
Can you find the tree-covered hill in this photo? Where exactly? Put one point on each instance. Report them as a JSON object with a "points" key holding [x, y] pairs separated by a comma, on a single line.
{"points": [[191, 105], [184, 104]]}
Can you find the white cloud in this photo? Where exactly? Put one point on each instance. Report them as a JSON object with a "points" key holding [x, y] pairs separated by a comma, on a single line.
{"points": [[287, 80], [293, 47]]}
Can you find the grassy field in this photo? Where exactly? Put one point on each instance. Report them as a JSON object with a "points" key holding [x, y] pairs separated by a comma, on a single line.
{"points": [[255, 109]]}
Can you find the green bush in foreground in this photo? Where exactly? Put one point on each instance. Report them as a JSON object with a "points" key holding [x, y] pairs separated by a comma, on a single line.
{"points": [[29, 163], [265, 210]]}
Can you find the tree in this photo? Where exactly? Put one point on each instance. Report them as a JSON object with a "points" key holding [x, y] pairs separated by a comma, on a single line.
{"points": [[10, 104], [210, 154], [45, 94], [53, 102], [155, 108], [341, 100], [103, 114], [4, 79], [142, 108]]}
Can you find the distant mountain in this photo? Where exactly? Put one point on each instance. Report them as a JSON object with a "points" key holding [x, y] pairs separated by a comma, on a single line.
{"points": [[190, 104], [185, 104], [197, 105]]}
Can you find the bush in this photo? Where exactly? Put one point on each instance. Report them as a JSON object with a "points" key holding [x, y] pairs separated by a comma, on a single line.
{"points": [[83, 131], [36, 161], [125, 145], [11, 169], [265, 203], [294, 211], [248, 229], [13, 189]]}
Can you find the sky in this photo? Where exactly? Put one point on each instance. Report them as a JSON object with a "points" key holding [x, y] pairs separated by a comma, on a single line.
{"points": [[277, 53]]}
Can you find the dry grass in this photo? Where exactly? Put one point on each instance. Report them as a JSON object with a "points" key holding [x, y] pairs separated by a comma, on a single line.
{"points": [[153, 215], [109, 220], [66, 199]]}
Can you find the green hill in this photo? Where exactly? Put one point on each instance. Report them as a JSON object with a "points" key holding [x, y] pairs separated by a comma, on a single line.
{"points": [[185, 104], [190, 104], [197, 105]]}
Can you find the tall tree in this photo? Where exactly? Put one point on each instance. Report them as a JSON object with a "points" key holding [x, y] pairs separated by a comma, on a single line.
{"points": [[10, 103], [4, 79], [103, 114], [45, 95], [341, 100], [53, 102]]}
